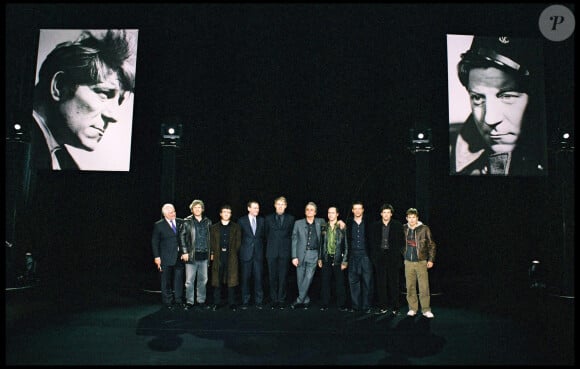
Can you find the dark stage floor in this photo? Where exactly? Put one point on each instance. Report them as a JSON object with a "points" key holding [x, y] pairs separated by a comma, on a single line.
{"points": [[46, 325]]}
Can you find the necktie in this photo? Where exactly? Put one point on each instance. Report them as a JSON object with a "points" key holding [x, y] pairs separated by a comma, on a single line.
{"points": [[253, 221], [279, 220], [173, 226]]}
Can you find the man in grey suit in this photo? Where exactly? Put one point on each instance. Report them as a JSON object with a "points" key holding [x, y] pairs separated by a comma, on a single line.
{"points": [[305, 245], [252, 254]]}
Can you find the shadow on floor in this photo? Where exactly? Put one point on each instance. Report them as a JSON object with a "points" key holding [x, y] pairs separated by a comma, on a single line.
{"points": [[46, 325]]}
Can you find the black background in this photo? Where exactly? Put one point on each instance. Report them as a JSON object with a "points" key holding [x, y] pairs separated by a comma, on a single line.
{"points": [[310, 101]]}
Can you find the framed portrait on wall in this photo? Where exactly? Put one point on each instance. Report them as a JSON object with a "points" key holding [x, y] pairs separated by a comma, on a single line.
{"points": [[83, 99], [497, 122]]}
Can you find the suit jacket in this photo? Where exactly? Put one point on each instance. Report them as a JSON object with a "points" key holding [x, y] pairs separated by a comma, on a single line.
{"points": [[165, 242], [279, 237], [300, 234], [397, 242], [252, 246], [40, 154]]}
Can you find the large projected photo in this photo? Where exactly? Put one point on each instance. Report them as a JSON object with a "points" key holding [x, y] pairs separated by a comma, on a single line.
{"points": [[497, 122], [83, 99]]}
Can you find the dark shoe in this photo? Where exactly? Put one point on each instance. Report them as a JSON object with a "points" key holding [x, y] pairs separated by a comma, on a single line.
{"points": [[295, 305], [382, 311], [281, 306], [244, 307], [214, 307], [323, 308], [259, 306], [170, 307], [306, 306], [395, 312], [233, 307], [274, 306], [368, 311], [187, 306], [343, 309]]}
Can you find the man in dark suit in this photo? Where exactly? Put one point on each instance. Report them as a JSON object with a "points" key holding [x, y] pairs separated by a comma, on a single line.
{"points": [[252, 254], [168, 256], [278, 250], [305, 244], [387, 240]]}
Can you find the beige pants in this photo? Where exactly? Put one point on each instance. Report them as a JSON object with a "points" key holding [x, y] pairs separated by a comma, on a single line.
{"points": [[417, 271]]}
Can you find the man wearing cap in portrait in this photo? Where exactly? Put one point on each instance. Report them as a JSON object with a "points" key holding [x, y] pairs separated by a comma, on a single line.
{"points": [[505, 132]]}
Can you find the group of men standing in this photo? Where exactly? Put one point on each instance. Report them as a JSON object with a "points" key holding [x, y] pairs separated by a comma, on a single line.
{"points": [[371, 252]]}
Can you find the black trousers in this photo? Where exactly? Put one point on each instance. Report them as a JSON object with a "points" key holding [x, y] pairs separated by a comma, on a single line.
{"points": [[330, 272], [172, 283], [278, 278], [360, 275], [387, 273]]}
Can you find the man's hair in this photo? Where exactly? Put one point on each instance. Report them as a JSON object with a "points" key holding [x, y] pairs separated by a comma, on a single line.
{"points": [[196, 202], [357, 202], [311, 203], [225, 207], [88, 59], [166, 207], [412, 211], [253, 202], [334, 206], [281, 198], [388, 206]]}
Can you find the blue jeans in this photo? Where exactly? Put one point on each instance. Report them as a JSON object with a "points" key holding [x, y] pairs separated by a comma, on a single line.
{"points": [[197, 269]]}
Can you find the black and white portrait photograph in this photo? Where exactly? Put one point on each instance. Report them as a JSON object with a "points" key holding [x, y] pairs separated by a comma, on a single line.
{"points": [[496, 106], [83, 99]]}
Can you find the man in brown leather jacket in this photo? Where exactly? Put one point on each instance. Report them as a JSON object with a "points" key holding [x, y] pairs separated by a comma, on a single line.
{"points": [[419, 255]]}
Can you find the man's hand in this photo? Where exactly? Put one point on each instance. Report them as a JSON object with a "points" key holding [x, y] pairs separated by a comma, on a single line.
{"points": [[158, 263]]}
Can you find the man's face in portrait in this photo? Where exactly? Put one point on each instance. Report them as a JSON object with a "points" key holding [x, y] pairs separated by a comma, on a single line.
{"points": [[89, 111], [498, 107]]}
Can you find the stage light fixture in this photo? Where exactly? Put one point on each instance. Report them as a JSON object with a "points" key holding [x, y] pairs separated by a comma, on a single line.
{"points": [[536, 274], [566, 140], [562, 140], [420, 140], [171, 134], [16, 133]]}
